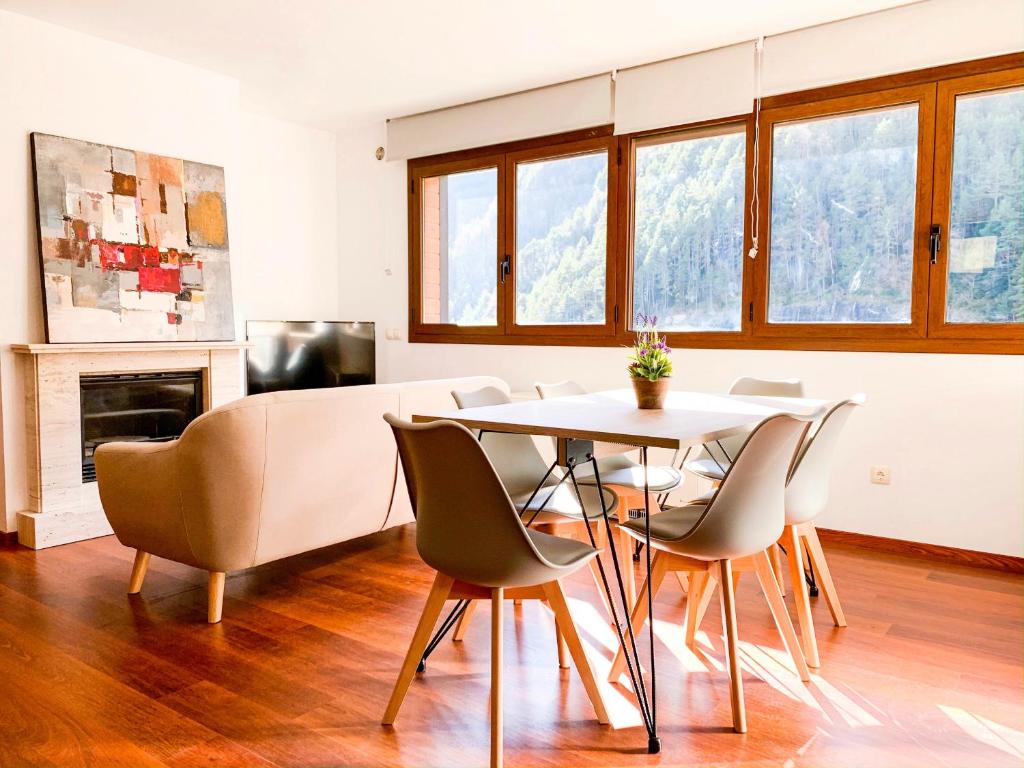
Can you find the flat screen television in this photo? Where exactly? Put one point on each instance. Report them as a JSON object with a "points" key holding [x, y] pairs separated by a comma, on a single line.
{"points": [[308, 355]]}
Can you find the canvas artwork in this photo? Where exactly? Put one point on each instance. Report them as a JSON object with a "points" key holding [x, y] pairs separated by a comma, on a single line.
{"points": [[134, 246]]}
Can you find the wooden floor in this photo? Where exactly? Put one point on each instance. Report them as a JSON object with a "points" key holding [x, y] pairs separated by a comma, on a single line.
{"points": [[930, 671]]}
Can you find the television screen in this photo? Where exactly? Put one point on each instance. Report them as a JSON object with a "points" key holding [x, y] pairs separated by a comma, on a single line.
{"points": [[308, 355]]}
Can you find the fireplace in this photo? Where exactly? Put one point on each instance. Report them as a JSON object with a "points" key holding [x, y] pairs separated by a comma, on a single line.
{"points": [[137, 407]]}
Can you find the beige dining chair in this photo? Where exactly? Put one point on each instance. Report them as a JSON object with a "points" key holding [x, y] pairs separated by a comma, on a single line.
{"points": [[730, 533], [712, 460], [624, 475], [469, 531], [553, 509], [806, 497]]}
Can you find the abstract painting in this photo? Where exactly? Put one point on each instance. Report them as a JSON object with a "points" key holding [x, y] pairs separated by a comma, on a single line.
{"points": [[133, 246]]}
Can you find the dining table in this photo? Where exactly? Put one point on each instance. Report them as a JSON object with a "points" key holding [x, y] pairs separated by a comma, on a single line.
{"points": [[576, 422]]}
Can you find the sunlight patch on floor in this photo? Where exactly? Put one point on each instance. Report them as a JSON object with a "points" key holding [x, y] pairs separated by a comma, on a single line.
{"points": [[1001, 737], [852, 713]]}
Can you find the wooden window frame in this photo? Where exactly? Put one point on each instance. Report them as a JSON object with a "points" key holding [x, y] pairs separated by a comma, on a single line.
{"points": [[948, 90], [923, 96], [591, 146], [627, 204], [927, 331], [450, 331]]}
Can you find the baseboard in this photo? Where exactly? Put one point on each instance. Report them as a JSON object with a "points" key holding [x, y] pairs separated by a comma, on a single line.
{"points": [[969, 557]]}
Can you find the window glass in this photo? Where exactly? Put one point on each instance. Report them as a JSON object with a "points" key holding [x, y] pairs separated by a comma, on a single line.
{"points": [[561, 232], [688, 231], [459, 244], [842, 218], [985, 252]]}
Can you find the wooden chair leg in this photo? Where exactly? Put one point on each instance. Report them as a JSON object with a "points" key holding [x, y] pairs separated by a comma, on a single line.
{"points": [[556, 599], [702, 588], [462, 626], [215, 597], [624, 549], [823, 574], [739, 714], [138, 572], [563, 649], [595, 571], [497, 601], [795, 556], [776, 555], [435, 602], [770, 587], [638, 617], [683, 577]]}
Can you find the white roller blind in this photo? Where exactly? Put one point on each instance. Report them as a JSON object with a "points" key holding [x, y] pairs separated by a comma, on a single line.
{"points": [[702, 86], [911, 37], [541, 112]]}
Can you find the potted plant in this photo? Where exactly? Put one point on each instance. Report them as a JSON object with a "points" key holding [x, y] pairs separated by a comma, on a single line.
{"points": [[650, 364]]}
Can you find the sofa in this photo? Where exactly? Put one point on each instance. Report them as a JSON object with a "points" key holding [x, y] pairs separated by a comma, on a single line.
{"points": [[266, 477]]}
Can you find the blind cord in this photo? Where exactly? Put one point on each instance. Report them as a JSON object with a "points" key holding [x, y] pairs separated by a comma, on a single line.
{"points": [[755, 198]]}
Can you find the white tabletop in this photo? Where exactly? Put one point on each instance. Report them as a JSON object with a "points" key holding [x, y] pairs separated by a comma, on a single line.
{"points": [[688, 418]]}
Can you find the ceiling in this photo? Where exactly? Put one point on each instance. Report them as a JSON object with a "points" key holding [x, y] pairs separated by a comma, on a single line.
{"points": [[327, 61]]}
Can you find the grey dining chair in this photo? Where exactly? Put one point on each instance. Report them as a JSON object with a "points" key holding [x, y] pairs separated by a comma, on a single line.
{"points": [[730, 533], [624, 475], [469, 531], [807, 495], [712, 460], [552, 509]]}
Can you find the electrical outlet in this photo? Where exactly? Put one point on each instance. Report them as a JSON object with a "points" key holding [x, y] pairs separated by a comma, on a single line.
{"points": [[392, 334], [881, 475]]}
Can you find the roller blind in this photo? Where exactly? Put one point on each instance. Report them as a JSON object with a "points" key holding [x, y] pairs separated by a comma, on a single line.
{"points": [[702, 86], [541, 112], [896, 40]]}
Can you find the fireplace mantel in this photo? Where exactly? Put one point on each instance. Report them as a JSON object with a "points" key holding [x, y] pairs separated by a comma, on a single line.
{"points": [[118, 346], [62, 508]]}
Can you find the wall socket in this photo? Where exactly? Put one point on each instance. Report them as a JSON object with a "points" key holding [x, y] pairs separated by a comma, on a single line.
{"points": [[392, 334], [881, 475]]}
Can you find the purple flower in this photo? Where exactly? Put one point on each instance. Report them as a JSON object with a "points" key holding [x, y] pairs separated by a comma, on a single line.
{"points": [[643, 353]]}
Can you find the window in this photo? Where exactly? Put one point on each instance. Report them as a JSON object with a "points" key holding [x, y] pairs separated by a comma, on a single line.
{"points": [[460, 240], [456, 247], [561, 240], [514, 244], [842, 218], [889, 217], [845, 198], [979, 204], [688, 231]]}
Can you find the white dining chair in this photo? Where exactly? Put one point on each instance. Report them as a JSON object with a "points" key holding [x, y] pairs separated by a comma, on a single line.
{"points": [[731, 533], [807, 495], [712, 460], [553, 509], [469, 532]]}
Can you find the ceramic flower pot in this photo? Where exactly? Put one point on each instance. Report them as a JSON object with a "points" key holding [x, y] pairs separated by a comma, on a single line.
{"points": [[650, 395]]}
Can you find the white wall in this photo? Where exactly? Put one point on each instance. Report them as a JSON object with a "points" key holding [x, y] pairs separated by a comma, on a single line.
{"points": [[951, 427], [280, 184], [286, 199]]}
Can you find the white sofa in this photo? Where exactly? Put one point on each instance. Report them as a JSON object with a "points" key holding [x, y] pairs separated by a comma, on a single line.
{"points": [[266, 477]]}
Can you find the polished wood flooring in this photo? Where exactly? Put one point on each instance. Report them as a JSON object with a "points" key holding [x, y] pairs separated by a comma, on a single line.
{"points": [[930, 671]]}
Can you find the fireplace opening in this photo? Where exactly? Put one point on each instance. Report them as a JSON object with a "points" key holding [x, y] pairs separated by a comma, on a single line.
{"points": [[136, 407]]}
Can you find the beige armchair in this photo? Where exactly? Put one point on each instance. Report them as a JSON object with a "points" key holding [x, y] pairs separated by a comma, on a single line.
{"points": [[264, 478]]}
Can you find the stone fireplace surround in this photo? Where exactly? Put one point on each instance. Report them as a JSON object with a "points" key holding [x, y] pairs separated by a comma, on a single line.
{"points": [[62, 508]]}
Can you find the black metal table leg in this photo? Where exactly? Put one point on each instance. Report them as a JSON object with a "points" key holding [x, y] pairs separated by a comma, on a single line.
{"points": [[632, 653]]}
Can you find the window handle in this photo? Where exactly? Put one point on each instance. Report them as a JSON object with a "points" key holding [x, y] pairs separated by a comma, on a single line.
{"points": [[935, 242], [506, 267]]}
